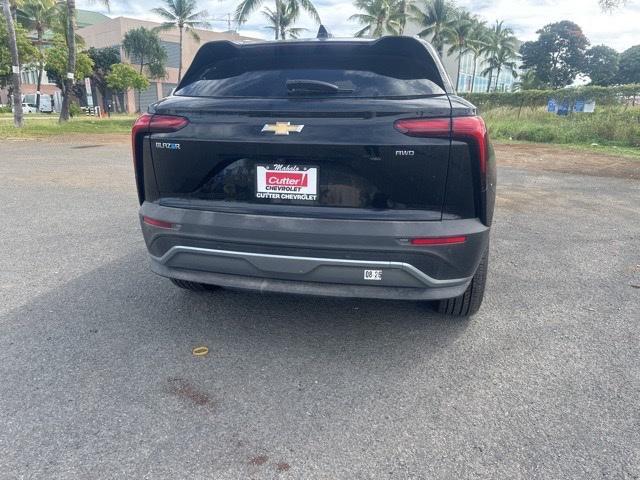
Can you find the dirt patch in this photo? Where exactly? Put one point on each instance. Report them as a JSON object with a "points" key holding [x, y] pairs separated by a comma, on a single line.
{"points": [[259, 460], [552, 158], [185, 390]]}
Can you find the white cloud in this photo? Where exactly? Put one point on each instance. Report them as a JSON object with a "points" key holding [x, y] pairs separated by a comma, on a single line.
{"points": [[618, 29]]}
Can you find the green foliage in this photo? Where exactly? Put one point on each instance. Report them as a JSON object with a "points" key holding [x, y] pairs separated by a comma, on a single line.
{"points": [[434, 18], [558, 55], [143, 48], [629, 70], [56, 62], [38, 16], [246, 8], [617, 95], [26, 51], [377, 17], [103, 60], [282, 20], [612, 125], [602, 65], [123, 77], [74, 110]]}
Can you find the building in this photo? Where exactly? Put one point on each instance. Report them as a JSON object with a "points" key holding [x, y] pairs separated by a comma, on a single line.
{"points": [[505, 82], [29, 73], [110, 33]]}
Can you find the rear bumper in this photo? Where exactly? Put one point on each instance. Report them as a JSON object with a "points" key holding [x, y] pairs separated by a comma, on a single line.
{"points": [[313, 256]]}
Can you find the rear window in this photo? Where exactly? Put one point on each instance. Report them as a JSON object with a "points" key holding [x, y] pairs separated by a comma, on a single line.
{"points": [[364, 71]]}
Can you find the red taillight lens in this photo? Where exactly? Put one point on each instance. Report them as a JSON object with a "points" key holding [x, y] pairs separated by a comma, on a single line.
{"points": [[424, 127], [140, 126], [167, 123], [438, 240], [474, 130], [157, 223]]}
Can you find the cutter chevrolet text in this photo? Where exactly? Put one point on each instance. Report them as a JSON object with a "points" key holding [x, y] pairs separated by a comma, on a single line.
{"points": [[328, 167]]}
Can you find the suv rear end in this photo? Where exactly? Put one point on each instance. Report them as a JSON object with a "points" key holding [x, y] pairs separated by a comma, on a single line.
{"points": [[327, 167]]}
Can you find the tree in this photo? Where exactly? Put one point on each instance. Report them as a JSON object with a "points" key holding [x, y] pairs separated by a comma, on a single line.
{"points": [[629, 65], [38, 16], [123, 77], [379, 17], [246, 7], [476, 44], [459, 33], [282, 20], [558, 55], [601, 64], [103, 61], [15, 63], [143, 47], [56, 65], [528, 81], [435, 19], [181, 14], [27, 52], [500, 51], [69, 17]]}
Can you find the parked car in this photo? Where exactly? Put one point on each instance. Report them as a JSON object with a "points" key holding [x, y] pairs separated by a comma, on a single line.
{"points": [[28, 108], [345, 168]]}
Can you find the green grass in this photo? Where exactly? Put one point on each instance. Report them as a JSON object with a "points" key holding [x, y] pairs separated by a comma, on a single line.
{"points": [[43, 125], [609, 126]]}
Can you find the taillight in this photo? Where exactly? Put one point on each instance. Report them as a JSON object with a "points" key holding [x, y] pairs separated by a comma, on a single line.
{"points": [[167, 123], [473, 130], [150, 123], [438, 240], [467, 129], [140, 126], [424, 127]]}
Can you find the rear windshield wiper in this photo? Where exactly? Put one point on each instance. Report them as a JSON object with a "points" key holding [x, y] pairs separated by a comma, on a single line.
{"points": [[314, 86]]}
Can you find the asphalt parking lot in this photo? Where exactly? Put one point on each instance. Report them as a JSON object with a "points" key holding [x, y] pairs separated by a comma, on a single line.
{"points": [[97, 379]]}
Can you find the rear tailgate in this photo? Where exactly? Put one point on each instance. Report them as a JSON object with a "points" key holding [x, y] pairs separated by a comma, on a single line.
{"points": [[335, 154]]}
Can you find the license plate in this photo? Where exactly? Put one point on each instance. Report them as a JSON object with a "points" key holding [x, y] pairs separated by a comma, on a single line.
{"points": [[373, 274], [287, 182]]}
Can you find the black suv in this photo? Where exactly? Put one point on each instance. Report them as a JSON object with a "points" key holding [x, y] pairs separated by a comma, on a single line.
{"points": [[329, 167]]}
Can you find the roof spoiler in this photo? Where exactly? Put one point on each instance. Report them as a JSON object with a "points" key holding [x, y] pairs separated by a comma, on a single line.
{"points": [[322, 32]]}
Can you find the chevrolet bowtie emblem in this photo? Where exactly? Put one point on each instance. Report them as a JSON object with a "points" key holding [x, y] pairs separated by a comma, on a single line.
{"points": [[282, 128]]}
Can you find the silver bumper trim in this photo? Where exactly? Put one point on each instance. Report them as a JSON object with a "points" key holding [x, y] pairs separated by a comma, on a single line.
{"points": [[301, 265]]}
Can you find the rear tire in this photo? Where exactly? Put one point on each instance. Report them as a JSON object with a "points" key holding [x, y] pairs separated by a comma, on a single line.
{"points": [[469, 302], [193, 286]]}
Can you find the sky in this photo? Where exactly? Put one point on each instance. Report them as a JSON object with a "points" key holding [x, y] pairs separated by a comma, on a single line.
{"points": [[619, 29]]}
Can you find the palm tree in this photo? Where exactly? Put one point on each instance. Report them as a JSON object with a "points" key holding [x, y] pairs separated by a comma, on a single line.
{"points": [[503, 59], [182, 14], [38, 16], [143, 46], [15, 61], [379, 17], [475, 45], [458, 34], [500, 50], [246, 7], [69, 16], [282, 20], [404, 6], [435, 20]]}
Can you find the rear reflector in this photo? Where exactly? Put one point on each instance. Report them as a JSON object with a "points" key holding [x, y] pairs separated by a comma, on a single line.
{"points": [[424, 127], [438, 240], [157, 223]]}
